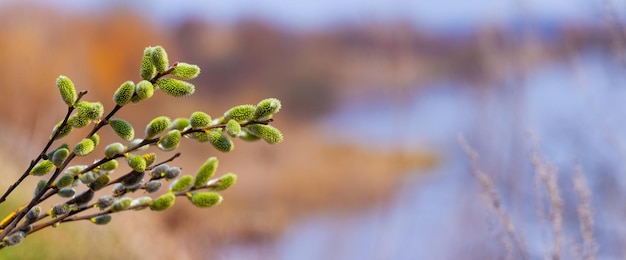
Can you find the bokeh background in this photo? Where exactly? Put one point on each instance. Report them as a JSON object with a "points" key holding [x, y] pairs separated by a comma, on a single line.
{"points": [[375, 97]]}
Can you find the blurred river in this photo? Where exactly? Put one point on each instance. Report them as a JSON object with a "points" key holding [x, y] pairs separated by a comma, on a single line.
{"points": [[575, 109]]}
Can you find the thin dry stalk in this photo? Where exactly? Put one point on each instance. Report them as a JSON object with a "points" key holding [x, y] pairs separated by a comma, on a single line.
{"points": [[547, 174], [490, 193], [585, 215]]}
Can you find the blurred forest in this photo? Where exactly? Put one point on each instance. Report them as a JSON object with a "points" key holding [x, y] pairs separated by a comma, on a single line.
{"points": [[313, 72]]}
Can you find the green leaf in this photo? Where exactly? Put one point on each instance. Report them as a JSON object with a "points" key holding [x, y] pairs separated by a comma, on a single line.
{"points": [[67, 90]]}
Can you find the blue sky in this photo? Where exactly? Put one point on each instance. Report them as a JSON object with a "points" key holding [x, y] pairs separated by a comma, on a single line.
{"points": [[328, 12]]}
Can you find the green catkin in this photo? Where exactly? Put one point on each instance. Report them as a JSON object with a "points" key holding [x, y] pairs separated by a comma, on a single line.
{"points": [[67, 90], [266, 108], [206, 172], [240, 113], [204, 199], [182, 184], [179, 124], [159, 59], [65, 130], [59, 156], [163, 202], [101, 220], [170, 141], [124, 93], [113, 149], [233, 128], [89, 110], [185, 71], [157, 126], [174, 87], [84, 147], [199, 120], [137, 163], [144, 90], [147, 69], [42, 168], [269, 133], [121, 204], [226, 181], [220, 141], [122, 128]]}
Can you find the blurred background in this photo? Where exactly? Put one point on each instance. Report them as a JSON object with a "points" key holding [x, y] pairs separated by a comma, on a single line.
{"points": [[375, 96]]}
